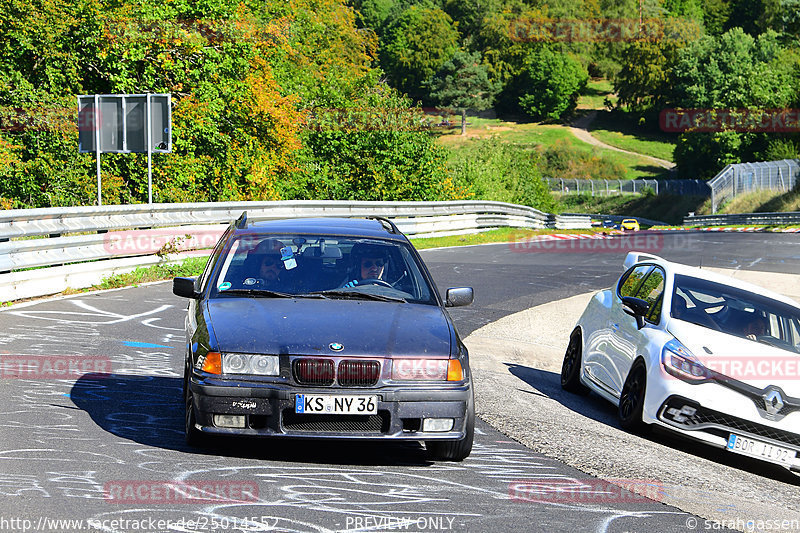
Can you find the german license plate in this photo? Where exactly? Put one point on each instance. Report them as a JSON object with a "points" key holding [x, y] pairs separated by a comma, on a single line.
{"points": [[330, 404], [760, 450]]}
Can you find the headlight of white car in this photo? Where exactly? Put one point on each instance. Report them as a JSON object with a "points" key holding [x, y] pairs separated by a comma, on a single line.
{"points": [[680, 362]]}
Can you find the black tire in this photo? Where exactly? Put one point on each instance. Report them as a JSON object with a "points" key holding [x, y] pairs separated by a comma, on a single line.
{"points": [[455, 450], [192, 435], [571, 367], [631, 400]]}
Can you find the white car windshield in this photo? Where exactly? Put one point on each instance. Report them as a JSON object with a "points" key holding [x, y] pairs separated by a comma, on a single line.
{"points": [[736, 312]]}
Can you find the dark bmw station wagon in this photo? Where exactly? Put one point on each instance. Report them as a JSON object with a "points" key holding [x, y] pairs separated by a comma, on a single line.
{"points": [[327, 329]]}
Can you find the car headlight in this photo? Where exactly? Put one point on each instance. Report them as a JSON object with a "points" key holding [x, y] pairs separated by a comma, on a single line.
{"points": [[243, 363], [427, 369], [680, 362]]}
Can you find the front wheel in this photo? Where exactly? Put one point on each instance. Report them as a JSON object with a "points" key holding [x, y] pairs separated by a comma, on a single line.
{"points": [[193, 436], [455, 450], [631, 401], [571, 367]]}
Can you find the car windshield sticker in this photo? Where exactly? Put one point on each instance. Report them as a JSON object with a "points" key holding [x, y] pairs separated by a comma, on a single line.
{"points": [[250, 281], [287, 256], [224, 286]]}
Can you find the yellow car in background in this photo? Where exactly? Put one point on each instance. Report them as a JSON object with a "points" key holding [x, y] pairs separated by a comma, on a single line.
{"points": [[629, 224]]}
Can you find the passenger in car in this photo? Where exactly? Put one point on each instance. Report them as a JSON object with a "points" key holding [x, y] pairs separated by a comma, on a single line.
{"points": [[263, 266]]}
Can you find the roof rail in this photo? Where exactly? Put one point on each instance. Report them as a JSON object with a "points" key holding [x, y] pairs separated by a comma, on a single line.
{"points": [[386, 223], [241, 222]]}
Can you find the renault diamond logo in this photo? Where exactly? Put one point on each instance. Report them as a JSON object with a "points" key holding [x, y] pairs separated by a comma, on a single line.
{"points": [[336, 347], [773, 401]]}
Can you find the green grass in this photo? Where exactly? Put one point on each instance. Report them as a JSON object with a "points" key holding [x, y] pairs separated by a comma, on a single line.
{"points": [[595, 94], [620, 131], [532, 134], [496, 235], [761, 202], [190, 267]]}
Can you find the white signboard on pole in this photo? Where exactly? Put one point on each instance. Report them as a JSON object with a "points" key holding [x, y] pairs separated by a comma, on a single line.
{"points": [[125, 123]]}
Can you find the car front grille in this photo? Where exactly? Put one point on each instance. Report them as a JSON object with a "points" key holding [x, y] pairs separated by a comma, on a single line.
{"points": [[378, 423], [324, 372], [722, 424], [358, 373], [313, 371]]}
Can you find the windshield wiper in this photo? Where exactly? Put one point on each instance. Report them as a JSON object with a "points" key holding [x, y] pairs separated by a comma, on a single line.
{"points": [[355, 295], [266, 293]]}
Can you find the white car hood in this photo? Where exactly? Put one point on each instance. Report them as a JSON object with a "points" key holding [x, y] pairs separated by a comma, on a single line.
{"points": [[742, 359]]}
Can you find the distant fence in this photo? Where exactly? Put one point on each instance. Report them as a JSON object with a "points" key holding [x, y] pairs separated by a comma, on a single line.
{"points": [[742, 178], [607, 187]]}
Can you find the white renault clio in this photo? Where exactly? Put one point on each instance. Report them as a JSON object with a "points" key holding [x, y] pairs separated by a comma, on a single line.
{"points": [[702, 354]]}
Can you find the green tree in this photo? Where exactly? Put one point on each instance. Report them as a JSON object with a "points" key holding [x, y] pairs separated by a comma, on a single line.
{"points": [[550, 83], [416, 45], [463, 83], [731, 72]]}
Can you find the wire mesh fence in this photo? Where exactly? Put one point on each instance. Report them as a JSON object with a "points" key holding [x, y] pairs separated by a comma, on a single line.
{"points": [[742, 178], [607, 187]]}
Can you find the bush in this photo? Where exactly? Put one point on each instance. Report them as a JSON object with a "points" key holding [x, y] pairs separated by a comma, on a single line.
{"points": [[562, 160], [493, 170]]}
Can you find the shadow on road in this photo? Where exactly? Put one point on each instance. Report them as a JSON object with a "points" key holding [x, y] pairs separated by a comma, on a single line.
{"points": [[596, 408], [149, 410]]}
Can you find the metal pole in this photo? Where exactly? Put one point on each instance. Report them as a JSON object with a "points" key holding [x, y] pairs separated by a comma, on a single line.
{"points": [[97, 146], [149, 154]]}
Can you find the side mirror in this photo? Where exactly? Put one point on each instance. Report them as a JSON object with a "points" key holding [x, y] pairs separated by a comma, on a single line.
{"points": [[637, 308], [459, 296], [184, 287]]}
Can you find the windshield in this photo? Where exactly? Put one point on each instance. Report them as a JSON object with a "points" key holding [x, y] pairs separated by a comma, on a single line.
{"points": [[737, 312], [322, 267]]}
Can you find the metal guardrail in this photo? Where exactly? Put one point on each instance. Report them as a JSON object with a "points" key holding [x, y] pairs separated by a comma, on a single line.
{"points": [[742, 178], [77, 246], [608, 187], [746, 219], [619, 218]]}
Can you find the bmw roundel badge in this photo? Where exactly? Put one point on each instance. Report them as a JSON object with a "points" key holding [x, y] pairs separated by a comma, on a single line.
{"points": [[336, 347]]}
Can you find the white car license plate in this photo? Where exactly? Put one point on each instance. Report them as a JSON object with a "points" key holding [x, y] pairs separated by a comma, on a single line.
{"points": [[335, 405], [760, 450]]}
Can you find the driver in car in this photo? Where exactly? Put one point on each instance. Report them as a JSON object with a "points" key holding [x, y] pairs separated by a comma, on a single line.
{"points": [[756, 327], [369, 262]]}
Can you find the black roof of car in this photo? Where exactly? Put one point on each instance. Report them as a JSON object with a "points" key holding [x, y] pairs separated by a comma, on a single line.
{"points": [[351, 227]]}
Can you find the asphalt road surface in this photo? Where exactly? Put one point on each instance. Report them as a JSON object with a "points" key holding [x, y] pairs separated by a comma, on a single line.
{"points": [[101, 448]]}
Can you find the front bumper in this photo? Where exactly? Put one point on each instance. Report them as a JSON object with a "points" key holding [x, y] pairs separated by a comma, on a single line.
{"points": [[701, 423], [269, 411]]}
